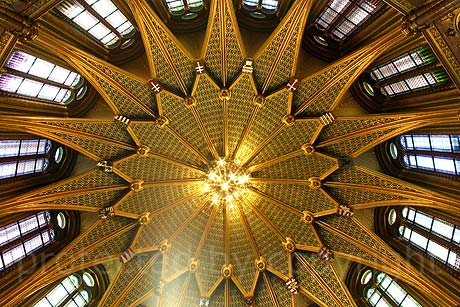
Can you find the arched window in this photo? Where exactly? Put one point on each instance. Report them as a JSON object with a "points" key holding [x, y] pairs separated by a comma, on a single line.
{"points": [[72, 291], [27, 76], [435, 237], [407, 73], [102, 20], [79, 289], [23, 157], [428, 152], [340, 18], [26, 237], [186, 9], [22, 238], [413, 79], [381, 290], [260, 8]]}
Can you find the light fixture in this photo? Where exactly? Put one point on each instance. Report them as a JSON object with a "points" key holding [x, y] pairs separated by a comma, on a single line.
{"points": [[226, 181]]}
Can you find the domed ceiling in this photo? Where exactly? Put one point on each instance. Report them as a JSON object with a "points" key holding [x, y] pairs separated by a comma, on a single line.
{"points": [[225, 180]]}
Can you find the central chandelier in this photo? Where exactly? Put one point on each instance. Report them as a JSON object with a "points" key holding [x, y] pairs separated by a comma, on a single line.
{"points": [[226, 181]]}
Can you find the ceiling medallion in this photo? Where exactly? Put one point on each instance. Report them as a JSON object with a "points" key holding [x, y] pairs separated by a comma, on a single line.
{"points": [[226, 181]]}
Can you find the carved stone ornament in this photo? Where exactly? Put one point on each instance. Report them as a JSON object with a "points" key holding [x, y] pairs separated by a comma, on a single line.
{"points": [[293, 286], [227, 271], [261, 264], [136, 185], [289, 245]]}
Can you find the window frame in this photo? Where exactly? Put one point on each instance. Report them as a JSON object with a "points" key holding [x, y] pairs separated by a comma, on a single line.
{"points": [[21, 269], [13, 103]]}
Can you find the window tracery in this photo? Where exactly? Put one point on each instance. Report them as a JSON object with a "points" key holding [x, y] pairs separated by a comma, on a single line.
{"points": [[28, 76], [102, 20]]}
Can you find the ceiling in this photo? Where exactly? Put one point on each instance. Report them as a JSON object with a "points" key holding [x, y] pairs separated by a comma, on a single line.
{"points": [[282, 118]]}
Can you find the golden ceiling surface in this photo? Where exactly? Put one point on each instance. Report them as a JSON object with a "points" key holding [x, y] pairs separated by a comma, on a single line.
{"points": [[281, 235]]}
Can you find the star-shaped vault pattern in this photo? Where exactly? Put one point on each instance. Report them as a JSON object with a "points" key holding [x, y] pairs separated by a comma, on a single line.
{"points": [[275, 245]]}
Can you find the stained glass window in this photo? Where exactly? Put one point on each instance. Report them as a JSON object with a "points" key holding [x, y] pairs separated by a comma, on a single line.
{"points": [[101, 19], [29, 76], [410, 72], [24, 237], [411, 60], [341, 18]]}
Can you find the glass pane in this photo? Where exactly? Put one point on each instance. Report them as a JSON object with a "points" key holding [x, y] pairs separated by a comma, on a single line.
{"points": [[443, 229], [32, 244], [9, 148], [9, 233], [8, 169], [28, 224], [437, 250]]}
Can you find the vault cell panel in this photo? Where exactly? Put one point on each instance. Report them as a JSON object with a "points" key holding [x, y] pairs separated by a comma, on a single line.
{"points": [[268, 243], [148, 280], [92, 199], [156, 197], [125, 105], [224, 57], [149, 168], [134, 87], [94, 178], [102, 230], [105, 150], [357, 196], [161, 141], [360, 175], [110, 130], [183, 289], [298, 196], [275, 62], [183, 248], [210, 109], [266, 121], [327, 276], [354, 230], [113, 247], [181, 119], [164, 224], [212, 256], [242, 256], [239, 109], [348, 147], [289, 140], [313, 84], [300, 167], [287, 223]]}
